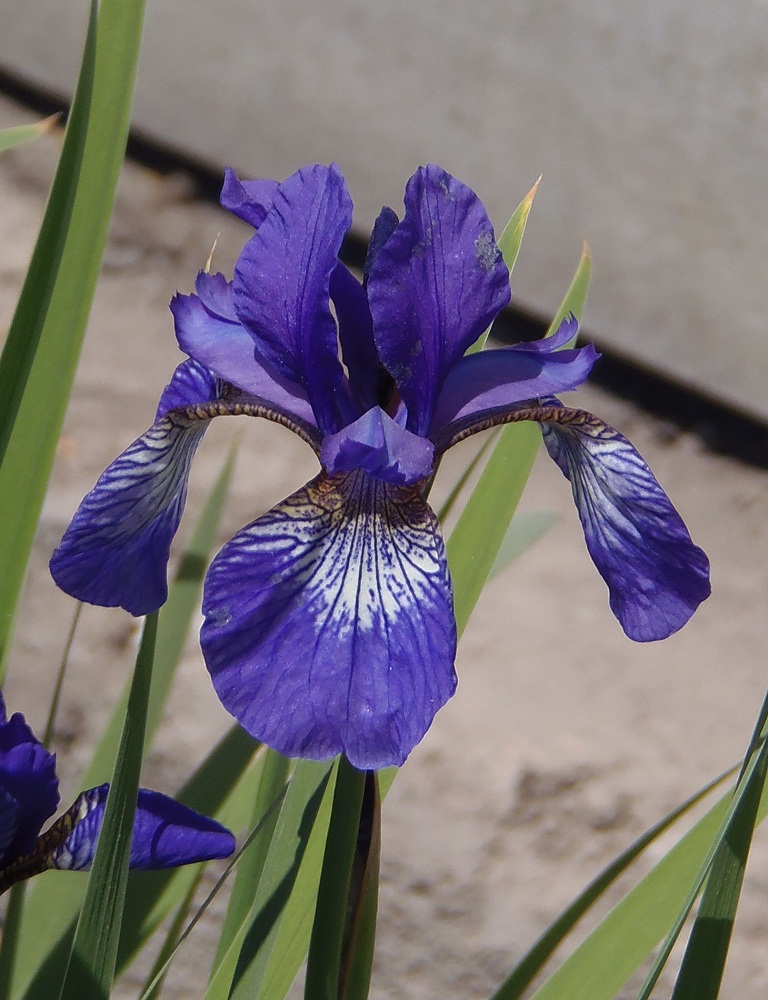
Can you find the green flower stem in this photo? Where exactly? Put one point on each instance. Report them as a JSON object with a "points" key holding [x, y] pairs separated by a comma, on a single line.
{"points": [[325, 947]]}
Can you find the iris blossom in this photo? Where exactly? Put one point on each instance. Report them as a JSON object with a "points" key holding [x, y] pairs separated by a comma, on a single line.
{"points": [[329, 623], [166, 834]]}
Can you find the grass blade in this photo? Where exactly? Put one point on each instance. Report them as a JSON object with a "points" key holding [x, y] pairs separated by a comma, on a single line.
{"points": [[576, 296], [534, 960], [475, 542], [364, 899], [19, 134], [222, 787], [91, 966], [723, 870], [324, 961], [51, 907], [605, 960], [40, 356], [302, 825], [274, 775]]}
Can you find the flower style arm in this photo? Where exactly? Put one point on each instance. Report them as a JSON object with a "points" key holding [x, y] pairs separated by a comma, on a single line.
{"points": [[435, 285], [486, 384]]}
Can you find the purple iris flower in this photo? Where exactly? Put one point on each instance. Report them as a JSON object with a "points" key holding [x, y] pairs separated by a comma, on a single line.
{"points": [[166, 834], [329, 623]]}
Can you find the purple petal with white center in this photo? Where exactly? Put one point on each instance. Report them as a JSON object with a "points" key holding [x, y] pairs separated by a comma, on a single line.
{"points": [[379, 446], [207, 328], [434, 287], [656, 576], [28, 776], [282, 284], [329, 622], [166, 834], [249, 200], [115, 551], [358, 349], [481, 384]]}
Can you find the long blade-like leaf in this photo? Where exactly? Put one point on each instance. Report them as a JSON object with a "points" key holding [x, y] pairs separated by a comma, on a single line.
{"points": [[477, 538], [19, 134], [705, 956], [302, 823], [91, 966], [51, 907], [40, 356], [606, 959], [509, 243], [364, 898], [221, 787], [274, 774], [534, 960], [324, 961]]}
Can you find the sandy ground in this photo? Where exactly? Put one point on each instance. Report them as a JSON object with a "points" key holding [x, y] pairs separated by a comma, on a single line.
{"points": [[564, 741]]}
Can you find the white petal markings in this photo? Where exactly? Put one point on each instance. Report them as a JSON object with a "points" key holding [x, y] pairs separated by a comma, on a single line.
{"points": [[656, 576], [329, 622]]}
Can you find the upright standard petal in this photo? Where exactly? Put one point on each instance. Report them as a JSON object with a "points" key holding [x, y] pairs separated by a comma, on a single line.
{"points": [[249, 200], [329, 623], [208, 330], [166, 834], [116, 548], [480, 385], [435, 285], [282, 281], [358, 350], [656, 576]]}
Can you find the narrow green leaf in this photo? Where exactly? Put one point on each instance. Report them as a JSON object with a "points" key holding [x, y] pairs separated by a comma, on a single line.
{"points": [[303, 821], [18, 134], [216, 889], [324, 961], [9, 946], [509, 243], [274, 775], [53, 904], [576, 296], [364, 899], [526, 528], [222, 787], [91, 966], [707, 950], [53, 711], [455, 492], [531, 964], [290, 947], [40, 356], [159, 971], [475, 541], [605, 960]]}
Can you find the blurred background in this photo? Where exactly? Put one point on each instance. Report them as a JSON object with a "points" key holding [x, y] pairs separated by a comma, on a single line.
{"points": [[648, 122]]}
